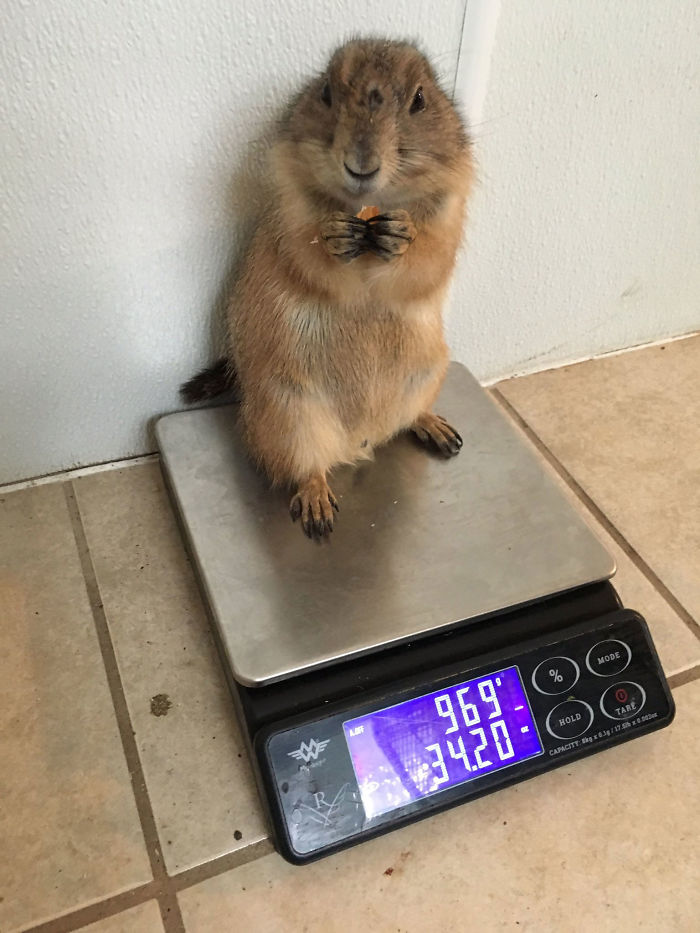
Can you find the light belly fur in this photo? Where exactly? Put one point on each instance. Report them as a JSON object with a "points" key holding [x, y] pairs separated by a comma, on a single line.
{"points": [[360, 404]]}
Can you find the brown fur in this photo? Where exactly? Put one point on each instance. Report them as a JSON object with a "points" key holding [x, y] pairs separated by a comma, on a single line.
{"points": [[336, 330]]}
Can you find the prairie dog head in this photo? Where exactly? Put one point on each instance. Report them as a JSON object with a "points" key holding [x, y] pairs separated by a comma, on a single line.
{"points": [[375, 127]]}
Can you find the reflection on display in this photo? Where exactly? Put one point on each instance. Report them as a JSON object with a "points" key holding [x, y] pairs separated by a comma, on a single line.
{"points": [[423, 746]]}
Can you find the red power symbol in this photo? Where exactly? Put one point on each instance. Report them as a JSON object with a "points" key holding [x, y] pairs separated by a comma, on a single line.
{"points": [[621, 695]]}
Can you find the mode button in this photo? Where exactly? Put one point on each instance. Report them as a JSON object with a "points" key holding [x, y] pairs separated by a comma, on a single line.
{"points": [[608, 657]]}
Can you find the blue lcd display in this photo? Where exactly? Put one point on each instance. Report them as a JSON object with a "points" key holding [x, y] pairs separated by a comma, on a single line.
{"points": [[424, 746]]}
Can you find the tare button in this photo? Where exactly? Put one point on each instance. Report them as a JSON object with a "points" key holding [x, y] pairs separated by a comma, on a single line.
{"points": [[608, 657], [555, 675], [623, 700], [569, 719]]}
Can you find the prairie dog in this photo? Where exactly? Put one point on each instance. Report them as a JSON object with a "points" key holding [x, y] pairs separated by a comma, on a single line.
{"points": [[335, 326]]}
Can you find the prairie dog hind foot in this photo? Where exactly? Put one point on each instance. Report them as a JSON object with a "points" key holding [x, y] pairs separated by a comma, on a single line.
{"points": [[433, 430], [314, 504]]}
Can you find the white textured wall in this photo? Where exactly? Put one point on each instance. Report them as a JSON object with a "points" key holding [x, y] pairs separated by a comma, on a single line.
{"points": [[129, 143], [585, 231]]}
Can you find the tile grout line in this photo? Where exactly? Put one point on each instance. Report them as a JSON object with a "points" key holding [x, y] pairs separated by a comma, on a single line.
{"points": [[598, 513], [116, 904], [684, 677], [222, 864], [65, 476], [163, 887], [167, 900], [576, 361], [99, 910]]}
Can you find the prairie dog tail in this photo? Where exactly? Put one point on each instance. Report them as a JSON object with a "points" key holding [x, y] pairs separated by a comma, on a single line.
{"points": [[210, 382]]}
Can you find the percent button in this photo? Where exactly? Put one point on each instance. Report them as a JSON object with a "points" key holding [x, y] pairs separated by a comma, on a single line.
{"points": [[555, 675]]}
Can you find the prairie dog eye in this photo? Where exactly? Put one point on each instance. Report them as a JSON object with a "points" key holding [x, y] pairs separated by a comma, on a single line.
{"points": [[418, 101], [326, 94]]}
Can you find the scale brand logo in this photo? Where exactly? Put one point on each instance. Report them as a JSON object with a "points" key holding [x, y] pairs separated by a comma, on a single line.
{"points": [[309, 752]]}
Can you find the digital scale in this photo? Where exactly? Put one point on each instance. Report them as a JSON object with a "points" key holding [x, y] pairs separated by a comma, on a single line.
{"points": [[458, 633]]}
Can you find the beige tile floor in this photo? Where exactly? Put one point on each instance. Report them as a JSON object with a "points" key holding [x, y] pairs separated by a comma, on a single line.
{"points": [[114, 819]]}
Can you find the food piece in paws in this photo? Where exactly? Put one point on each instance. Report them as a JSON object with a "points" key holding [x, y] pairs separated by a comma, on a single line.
{"points": [[367, 213]]}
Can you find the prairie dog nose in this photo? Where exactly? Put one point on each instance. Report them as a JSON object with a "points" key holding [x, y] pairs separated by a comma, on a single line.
{"points": [[361, 176], [360, 161]]}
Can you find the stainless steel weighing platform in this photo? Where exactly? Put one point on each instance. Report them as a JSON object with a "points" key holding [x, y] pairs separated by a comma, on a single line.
{"points": [[437, 569]]}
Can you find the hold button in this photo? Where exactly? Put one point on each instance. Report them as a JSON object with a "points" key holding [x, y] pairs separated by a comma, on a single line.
{"points": [[569, 719]]}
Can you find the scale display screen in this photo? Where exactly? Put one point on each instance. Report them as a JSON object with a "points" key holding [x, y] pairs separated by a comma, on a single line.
{"points": [[429, 744]]}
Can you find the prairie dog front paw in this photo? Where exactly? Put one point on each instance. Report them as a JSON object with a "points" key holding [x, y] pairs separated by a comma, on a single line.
{"points": [[344, 236], [391, 234]]}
